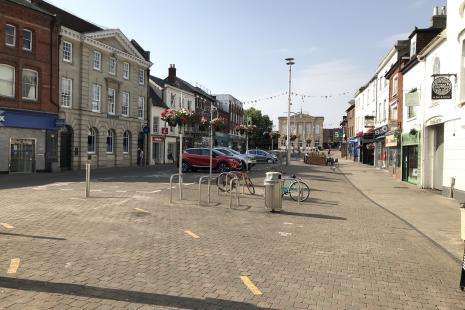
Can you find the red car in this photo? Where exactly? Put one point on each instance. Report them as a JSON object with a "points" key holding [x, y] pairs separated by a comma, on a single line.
{"points": [[199, 158]]}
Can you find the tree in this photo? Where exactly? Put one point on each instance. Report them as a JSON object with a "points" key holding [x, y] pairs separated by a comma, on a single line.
{"points": [[264, 125]]}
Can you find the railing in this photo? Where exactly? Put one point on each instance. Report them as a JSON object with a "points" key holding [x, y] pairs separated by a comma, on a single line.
{"points": [[200, 188], [171, 186]]}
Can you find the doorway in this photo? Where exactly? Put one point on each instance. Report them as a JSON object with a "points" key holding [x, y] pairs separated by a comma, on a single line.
{"points": [[22, 155], [410, 164], [438, 156], [66, 138]]}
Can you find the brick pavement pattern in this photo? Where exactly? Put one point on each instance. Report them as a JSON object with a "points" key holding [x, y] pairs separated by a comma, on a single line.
{"points": [[335, 251]]}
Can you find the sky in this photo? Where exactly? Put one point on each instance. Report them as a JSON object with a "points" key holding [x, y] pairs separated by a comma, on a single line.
{"points": [[238, 47]]}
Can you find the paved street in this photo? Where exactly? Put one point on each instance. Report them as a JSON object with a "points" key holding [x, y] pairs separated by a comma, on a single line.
{"points": [[127, 248]]}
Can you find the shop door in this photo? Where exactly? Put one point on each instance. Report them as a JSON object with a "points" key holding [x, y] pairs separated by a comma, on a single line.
{"points": [[156, 152], [438, 157], [65, 149], [410, 164], [22, 155]]}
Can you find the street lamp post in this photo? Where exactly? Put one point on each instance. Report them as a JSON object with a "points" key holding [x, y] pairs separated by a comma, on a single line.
{"points": [[212, 107], [289, 62]]}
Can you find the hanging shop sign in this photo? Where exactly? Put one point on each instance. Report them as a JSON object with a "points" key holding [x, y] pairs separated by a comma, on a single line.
{"points": [[441, 88], [391, 141], [380, 132], [412, 99]]}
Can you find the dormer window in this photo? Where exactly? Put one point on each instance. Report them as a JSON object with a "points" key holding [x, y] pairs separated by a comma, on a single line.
{"points": [[413, 46]]}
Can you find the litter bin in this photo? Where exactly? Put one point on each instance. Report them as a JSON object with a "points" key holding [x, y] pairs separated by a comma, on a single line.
{"points": [[273, 195]]}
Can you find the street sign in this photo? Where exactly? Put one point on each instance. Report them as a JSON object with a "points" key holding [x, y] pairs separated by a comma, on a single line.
{"points": [[164, 131], [146, 129]]}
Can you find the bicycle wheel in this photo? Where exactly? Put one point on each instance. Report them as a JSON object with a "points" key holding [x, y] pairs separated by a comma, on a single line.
{"points": [[249, 184], [294, 191], [223, 183]]}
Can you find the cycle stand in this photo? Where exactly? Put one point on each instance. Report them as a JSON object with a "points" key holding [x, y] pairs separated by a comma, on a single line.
{"points": [[180, 186], [200, 188], [234, 180]]}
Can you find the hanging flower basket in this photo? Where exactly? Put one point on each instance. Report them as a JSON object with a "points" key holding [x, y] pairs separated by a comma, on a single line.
{"points": [[293, 137], [308, 141], [240, 129], [203, 123], [217, 123], [169, 116], [413, 131]]}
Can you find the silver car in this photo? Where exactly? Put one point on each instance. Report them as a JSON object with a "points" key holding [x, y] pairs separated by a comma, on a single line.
{"points": [[247, 161]]}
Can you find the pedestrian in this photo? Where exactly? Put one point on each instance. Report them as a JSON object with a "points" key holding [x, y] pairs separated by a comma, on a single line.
{"points": [[329, 152], [141, 158]]}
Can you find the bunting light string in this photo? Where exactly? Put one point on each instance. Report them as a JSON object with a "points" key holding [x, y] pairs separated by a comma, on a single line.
{"points": [[295, 94]]}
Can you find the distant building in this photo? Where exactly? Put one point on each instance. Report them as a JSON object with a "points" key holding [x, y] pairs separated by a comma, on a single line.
{"points": [[331, 137], [233, 109], [307, 130]]}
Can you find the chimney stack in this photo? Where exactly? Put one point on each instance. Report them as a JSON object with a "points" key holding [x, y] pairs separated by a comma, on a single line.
{"points": [[439, 20], [172, 74]]}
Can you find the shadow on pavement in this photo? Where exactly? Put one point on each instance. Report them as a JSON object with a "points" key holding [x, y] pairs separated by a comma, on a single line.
{"points": [[319, 216], [32, 236], [120, 295]]}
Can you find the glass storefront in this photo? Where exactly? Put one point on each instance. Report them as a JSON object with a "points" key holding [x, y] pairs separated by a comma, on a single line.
{"points": [[410, 157]]}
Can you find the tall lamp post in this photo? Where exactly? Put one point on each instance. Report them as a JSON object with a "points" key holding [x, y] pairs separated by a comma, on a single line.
{"points": [[289, 62], [212, 107]]}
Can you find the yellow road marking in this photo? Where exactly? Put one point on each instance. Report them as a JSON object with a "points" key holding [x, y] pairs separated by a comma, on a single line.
{"points": [[247, 282], [7, 226], [14, 265], [141, 210], [190, 233]]}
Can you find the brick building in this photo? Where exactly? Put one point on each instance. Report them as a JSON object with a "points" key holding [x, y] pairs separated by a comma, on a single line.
{"points": [[28, 88]]}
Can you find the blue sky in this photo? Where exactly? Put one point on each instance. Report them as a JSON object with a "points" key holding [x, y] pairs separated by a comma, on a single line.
{"points": [[239, 46]]}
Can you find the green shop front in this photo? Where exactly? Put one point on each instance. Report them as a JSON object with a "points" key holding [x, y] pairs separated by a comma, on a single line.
{"points": [[411, 157]]}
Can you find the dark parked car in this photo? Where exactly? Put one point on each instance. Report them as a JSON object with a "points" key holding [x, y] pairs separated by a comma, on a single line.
{"points": [[263, 157], [199, 158]]}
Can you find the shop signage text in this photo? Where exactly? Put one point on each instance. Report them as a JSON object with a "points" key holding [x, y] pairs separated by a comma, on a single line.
{"points": [[158, 138], [441, 88]]}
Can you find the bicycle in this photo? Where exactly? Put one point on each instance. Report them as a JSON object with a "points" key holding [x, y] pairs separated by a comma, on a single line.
{"points": [[295, 187], [243, 176]]}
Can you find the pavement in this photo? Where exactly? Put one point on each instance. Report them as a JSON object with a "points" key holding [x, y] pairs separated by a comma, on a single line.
{"points": [[426, 211], [126, 247]]}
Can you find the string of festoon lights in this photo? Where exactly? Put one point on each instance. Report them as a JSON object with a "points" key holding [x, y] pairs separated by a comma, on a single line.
{"points": [[295, 94]]}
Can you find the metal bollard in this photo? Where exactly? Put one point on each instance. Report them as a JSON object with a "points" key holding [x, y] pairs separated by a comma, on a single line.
{"points": [[234, 180], [87, 192]]}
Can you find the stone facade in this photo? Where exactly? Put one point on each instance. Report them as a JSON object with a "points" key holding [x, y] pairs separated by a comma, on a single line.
{"points": [[306, 127], [98, 97]]}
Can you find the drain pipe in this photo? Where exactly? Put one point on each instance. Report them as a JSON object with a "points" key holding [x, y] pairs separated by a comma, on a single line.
{"points": [[452, 187]]}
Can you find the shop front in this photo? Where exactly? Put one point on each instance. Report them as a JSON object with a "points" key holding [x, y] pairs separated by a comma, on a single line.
{"points": [[380, 147], [367, 149], [393, 154], [411, 171], [28, 141], [158, 150]]}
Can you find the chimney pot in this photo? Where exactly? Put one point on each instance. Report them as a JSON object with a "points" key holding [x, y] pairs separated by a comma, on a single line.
{"points": [[443, 10], [435, 11]]}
